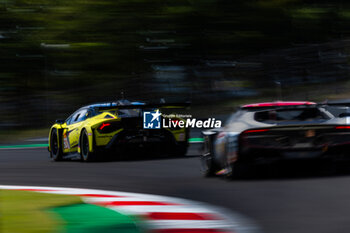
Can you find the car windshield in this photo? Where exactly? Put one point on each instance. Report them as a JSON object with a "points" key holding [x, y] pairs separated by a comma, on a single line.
{"points": [[290, 115], [129, 113]]}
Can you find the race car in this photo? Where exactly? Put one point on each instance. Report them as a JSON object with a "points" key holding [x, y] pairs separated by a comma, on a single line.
{"points": [[264, 133], [114, 128]]}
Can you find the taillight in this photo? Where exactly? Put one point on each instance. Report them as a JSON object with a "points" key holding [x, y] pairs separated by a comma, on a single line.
{"points": [[104, 125], [343, 127], [108, 127], [245, 135], [256, 130]]}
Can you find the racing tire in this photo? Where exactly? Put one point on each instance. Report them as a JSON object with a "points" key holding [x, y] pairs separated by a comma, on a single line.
{"points": [[180, 150], [56, 153], [241, 170], [85, 154]]}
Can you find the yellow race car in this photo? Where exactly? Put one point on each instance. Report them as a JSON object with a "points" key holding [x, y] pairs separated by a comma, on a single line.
{"points": [[116, 128]]}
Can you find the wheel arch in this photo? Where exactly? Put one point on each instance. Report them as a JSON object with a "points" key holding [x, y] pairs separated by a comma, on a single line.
{"points": [[90, 135]]}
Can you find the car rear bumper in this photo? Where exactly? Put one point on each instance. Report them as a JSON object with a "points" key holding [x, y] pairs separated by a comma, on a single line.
{"points": [[143, 141]]}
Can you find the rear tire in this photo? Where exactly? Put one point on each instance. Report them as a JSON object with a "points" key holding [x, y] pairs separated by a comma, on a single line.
{"points": [[56, 153], [179, 150], [241, 170], [85, 154]]}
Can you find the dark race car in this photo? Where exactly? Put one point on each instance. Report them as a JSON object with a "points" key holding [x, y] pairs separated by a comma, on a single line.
{"points": [[274, 131]]}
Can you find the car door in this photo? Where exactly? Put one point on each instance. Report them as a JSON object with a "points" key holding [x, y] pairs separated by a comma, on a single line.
{"points": [[73, 129]]}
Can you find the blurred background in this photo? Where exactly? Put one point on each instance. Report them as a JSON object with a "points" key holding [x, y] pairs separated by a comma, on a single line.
{"points": [[56, 56]]}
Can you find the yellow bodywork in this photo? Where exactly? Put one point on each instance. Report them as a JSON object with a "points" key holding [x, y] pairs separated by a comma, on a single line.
{"points": [[69, 135]]}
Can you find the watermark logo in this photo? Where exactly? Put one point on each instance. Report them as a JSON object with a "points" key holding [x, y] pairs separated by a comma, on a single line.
{"points": [[151, 120]]}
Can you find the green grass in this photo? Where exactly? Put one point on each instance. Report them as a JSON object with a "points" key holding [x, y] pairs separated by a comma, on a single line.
{"points": [[88, 218], [27, 212], [8, 136]]}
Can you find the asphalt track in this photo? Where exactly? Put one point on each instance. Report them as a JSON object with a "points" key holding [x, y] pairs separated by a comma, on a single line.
{"points": [[289, 200]]}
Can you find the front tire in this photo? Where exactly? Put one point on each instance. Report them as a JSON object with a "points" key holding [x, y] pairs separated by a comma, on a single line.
{"points": [[208, 165], [85, 154], [241, 170], [56, 153]]}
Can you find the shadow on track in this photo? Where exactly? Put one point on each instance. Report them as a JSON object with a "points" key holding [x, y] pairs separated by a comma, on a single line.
{"points": [[296, 170], [131, 156], [138, 154], [136, 157]]}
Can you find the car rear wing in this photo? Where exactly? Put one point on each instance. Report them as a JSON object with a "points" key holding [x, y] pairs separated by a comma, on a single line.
{"points": [[335, 104], [277, 106], [339, 109], [146, 106], [298, 105]]}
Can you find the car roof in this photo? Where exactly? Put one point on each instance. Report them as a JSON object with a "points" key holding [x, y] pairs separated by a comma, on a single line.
{"points": [[277, 104], [114, 103]]}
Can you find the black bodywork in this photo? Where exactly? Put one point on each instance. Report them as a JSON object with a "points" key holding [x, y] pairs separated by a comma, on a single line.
{"points": [[252, 136]]}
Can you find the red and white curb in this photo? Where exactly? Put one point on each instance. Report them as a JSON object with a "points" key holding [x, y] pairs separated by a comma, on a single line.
{"points": [[161, 214]]}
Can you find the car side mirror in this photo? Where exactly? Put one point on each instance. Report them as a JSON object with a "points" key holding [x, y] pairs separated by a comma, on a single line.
{"points": [[59, 121]]}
